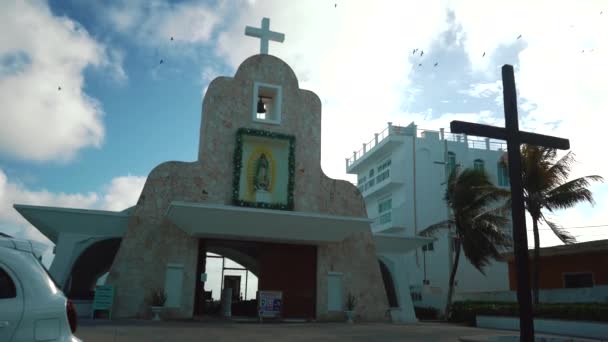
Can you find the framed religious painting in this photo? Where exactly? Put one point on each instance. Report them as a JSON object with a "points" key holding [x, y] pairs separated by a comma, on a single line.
{"points": [[264, 165]]}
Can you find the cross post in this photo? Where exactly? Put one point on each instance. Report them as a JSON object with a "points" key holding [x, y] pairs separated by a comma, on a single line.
{"points": [[265, 35], [515, 138]]}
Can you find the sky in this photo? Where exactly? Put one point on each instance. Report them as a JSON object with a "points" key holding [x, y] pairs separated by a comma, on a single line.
{"points": [[88, 109]]}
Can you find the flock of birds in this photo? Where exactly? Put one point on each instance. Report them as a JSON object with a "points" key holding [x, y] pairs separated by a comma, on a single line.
{"points": [[414, 51], [437, 63]]}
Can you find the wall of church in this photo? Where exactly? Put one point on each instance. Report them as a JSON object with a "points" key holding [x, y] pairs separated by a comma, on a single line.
{"points": [[151, 241]]}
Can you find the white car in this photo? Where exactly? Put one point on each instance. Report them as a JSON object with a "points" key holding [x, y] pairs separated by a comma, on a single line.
{"points": [[32, 307]]}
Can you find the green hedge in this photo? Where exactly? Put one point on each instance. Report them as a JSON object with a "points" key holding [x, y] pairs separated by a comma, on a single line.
{"points": [[426, 313], [467, 310]]}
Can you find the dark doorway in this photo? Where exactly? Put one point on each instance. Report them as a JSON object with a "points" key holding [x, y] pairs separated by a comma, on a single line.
{"points": [[389, 286], [94, 262], [288, 268]]}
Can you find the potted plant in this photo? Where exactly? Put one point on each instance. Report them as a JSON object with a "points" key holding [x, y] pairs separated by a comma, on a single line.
{"points": [[157, 302], [351, 302]]}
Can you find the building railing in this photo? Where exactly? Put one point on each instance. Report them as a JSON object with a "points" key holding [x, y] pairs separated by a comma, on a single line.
{"points": [[396, 216], [472, 142]]}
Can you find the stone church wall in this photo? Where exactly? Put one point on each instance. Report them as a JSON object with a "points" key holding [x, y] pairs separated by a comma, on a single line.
{"points": [[152, 241]]}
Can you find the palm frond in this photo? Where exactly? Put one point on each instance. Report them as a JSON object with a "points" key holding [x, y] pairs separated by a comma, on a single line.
{"points": [[569, 194], [561, 233], [434, 228], [479, 216]]}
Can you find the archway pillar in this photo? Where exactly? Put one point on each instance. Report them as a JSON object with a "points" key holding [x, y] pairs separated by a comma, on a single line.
{"points": [[396, 264], [67, 250]]}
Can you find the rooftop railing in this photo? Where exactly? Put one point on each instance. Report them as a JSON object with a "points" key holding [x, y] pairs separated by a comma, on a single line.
{"points": [[471, 141]]}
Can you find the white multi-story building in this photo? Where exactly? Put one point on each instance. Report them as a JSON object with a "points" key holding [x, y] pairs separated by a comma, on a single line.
{"points": [[402, 174]]}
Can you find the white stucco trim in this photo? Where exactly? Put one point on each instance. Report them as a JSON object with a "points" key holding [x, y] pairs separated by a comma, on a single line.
{"points": [[53, 221], [387, 243], [222, 221]]}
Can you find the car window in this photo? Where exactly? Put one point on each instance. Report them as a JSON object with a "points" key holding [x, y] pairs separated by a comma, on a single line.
{"points": [[7, 286]]}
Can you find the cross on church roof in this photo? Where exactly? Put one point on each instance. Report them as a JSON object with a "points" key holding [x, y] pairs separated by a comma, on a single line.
{"points": [[265, 35]]}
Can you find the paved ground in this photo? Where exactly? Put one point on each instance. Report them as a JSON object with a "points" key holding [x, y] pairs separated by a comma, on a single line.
{"points": [[135, 331]]}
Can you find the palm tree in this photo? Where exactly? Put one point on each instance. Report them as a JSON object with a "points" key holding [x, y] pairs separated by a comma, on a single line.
{"points": [[478, 218], [546, 187]]}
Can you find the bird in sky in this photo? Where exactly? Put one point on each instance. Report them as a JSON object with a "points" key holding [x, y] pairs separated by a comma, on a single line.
{"points": [[436, 63], [171, 38], [161, 61], [414, 51], [519, 36], [420, 64], [421, 53], [58, 88], [484, 54]]}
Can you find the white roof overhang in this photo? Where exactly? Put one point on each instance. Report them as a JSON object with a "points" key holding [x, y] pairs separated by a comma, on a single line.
{"points": [[243, 223], [51, 221]]}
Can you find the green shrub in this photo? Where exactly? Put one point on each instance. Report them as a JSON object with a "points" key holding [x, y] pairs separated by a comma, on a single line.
{"points": [[467, 310], [427, 313]]}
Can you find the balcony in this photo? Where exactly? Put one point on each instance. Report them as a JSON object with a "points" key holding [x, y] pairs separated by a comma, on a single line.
{"points": [[394, 135], [392, 221], [391, 136], [381, 184]]}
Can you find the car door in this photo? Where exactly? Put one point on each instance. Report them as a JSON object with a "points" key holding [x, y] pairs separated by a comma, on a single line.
{"points": [[11, 303]]}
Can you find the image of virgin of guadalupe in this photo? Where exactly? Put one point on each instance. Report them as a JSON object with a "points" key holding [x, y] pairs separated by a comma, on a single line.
{"points": [[261, 180]]}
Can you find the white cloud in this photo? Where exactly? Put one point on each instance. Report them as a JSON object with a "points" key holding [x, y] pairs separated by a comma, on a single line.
{"points": [[153, 23], [39, 53], [122, 192]]}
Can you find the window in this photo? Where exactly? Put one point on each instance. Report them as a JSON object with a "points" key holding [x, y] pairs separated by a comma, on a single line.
{"points": [[269, 97], [385, 165], [503, 175], [451, 162], [7, 286], [574, 280], [385, 205], [371, 173], [382, 176], [429, 247], [383, 171], [384, 210], [478, 165]]}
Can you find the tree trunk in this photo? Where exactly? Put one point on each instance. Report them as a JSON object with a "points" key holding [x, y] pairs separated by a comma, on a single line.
{"points": [[448, 303], [536, 263]]}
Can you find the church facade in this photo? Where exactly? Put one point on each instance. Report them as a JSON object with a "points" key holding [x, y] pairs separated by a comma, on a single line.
{"points": [[257, 184], [257, 195]]}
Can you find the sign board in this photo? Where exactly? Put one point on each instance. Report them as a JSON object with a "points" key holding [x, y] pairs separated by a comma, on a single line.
{"points": [[270, 304], [103, 300]]}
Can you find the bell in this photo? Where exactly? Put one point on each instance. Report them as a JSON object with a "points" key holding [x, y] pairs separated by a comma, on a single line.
{"points": [[261, 107]]}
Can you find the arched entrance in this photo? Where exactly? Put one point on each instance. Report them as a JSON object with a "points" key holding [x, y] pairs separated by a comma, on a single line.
{"points": [[389, 285], [288, 268], [94, 262]]}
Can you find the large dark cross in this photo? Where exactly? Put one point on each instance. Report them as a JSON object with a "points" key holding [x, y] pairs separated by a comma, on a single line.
{"points": [[515, 138]]}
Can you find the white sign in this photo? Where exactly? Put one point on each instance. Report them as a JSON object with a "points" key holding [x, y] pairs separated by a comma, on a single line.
{"points": [[270, 303]]}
